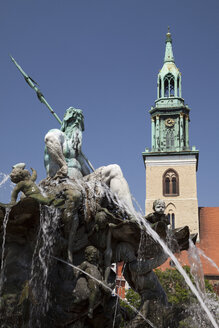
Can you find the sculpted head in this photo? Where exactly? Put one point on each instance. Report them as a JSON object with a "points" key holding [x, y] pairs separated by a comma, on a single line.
{"points": [[101, 220], [19, 174], [91, 254], [73, 117], [159, 206]]}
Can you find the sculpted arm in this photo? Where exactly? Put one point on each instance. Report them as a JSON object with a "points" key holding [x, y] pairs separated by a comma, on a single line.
{"points": [[151, 218], [34, 175], [83, 266], [16, 191]]}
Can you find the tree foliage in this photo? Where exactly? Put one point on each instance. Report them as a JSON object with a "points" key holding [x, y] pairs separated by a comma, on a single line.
{"points": [[178, 293], [175, 286]]}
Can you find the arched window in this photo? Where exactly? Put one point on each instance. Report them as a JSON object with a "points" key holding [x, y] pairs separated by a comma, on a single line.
{"points": [[169, 85], [170, 183], [171, 217], [172, 222]]}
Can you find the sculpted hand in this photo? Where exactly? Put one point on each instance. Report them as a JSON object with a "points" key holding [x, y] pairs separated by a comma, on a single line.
{"points": [[62, 172]]}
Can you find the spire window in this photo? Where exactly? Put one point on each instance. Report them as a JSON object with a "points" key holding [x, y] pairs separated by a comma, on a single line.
{"points": [[160, 95], [170, 183], [178, 87], [169, 85]]}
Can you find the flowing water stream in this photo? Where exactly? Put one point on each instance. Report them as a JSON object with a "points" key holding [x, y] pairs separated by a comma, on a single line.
{"points": [[5, 178], [208, 259], [155, 236], [196, 268], [41, 263], [142, 222], [49, 221], [5, 222]]}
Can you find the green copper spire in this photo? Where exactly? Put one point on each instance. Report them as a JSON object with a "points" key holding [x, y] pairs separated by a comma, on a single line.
{"points": [[169, 51], [170, 115], [169, 91]]}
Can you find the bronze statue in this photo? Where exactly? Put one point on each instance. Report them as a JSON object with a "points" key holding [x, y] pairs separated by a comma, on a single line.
{"points": [[26, 183], [90, 266], [158, 220]]}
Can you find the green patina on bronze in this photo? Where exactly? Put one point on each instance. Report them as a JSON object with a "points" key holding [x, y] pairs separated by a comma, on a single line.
{"points": [[170, 115]]}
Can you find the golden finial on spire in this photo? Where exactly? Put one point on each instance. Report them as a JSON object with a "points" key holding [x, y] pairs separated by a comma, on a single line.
{"points": [[168, 35]]}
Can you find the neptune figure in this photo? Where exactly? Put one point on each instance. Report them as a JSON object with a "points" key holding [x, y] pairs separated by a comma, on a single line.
{"points": [[64, 158], [63, 147]]}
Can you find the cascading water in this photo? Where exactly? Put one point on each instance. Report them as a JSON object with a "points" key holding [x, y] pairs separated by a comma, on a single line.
{"points": [[5, 222], [42, 262], [42, 287], [5, 186], [142, 223], [196, 268], [208, 259], [178, 266], [4, 177]]}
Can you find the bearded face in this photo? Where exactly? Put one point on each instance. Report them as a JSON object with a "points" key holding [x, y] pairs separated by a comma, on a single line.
{"points": [[73, 117]]}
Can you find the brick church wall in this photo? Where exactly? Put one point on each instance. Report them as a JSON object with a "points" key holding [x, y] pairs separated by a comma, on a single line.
{"points": [[209, 237]]}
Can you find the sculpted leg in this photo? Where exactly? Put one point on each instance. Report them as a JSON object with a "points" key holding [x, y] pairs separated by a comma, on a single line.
{"points": [[54, 141], [114, 178]]}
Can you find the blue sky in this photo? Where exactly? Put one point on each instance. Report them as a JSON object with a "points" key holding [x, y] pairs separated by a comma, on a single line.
{"points": [[103, 56]]}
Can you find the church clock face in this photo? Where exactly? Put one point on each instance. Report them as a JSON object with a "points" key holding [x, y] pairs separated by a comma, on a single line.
{"points": [[169, 122]]}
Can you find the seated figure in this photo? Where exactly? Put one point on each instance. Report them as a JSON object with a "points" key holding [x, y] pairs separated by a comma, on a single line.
{"points": [[63, 147], [64, 158], [158, 220]]}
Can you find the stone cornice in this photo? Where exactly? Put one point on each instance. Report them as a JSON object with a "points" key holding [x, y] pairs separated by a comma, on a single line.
{"points": [[173, 159], [169, 110]]}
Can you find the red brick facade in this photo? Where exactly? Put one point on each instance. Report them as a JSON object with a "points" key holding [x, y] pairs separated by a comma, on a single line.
{"points": [[209, 238], [120, 280]]}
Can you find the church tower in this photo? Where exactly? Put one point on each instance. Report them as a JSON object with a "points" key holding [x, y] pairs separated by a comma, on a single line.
{"points": [[170, 163]]}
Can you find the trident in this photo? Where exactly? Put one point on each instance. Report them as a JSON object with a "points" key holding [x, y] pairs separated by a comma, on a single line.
{"points": [[42, 99]]}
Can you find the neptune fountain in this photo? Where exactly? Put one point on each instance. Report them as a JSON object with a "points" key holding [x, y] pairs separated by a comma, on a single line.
{"points": [[60, 239]]}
